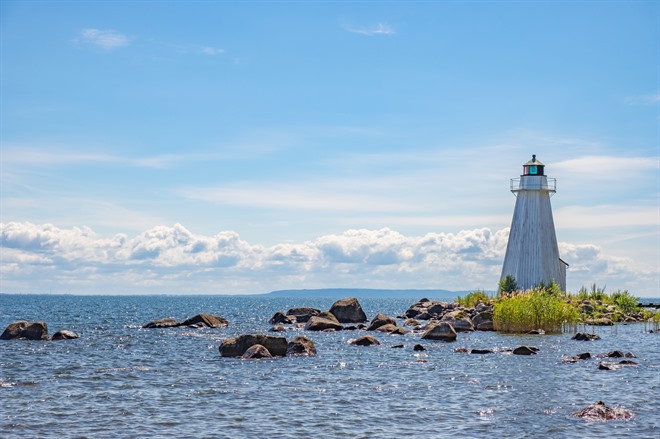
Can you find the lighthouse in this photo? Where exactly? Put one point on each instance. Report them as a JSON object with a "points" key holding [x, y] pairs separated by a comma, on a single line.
{"points": [[532, 254]]}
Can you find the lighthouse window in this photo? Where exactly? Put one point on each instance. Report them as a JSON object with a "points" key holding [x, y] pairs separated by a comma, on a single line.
{"points": [[533, 170]]}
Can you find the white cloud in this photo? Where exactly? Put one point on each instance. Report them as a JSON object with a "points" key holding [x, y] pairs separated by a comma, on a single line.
{"points": [[651, 99], [105, 39], [378, 29], [607, 167], [175, 260]]}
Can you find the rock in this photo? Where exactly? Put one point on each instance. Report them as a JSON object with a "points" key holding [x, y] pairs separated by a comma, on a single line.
{"points": [[536, 332], [65, 334], [236, 347], [483, 321], [256, 351], [425, 309], [278, 328], [583, 336], [205, 321], [301, 346], [482, 307], [397, 346], [482, 351], [322, 323], [583, 356], [602, 321], [628, 363], [24, 330], [167, 322], [598, 411], [459, 321], [605, 365], [440, 331], [380, 320], [392, 329], [461, 350], [348, 311], [620, 354], [411, 322], [302, 314], [525, 350], [419, 347], [280, 317], [366, 340]]}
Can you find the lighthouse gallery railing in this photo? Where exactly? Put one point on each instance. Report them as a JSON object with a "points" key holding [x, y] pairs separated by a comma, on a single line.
{"points": [[549, 185]]}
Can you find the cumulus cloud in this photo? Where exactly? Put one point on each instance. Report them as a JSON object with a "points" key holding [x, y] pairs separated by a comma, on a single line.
{"points": [[172, 259], [377, 29], [104, 38]]}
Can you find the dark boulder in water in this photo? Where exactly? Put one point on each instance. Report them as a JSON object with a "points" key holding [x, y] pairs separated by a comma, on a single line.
{"points": [[440, 331], [236, 347], [380, 320], [598, 411], [348, 310], [366, 340], [24, 330], [280, 317], [301, 346], [302, 314], [205, 321], [482, 351], [583, 336], [167, 322], [256, 351], [525, 350], [323, 322], [65, 334]]}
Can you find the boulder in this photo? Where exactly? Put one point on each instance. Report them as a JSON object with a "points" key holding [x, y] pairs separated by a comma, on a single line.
{"points": [[65, 334], [280, 317], [482, 351], [483, 321], [323, 322], [236, 347], [425, 309], [24, 330], [167, 322], [605, 365], [620, 354], [419, 347], [536, 332], [583, 336], [380, 320], [598, 411], [302, 314], [366, 340], [411, 322], [525, 350], [440, 331], [278, 328], [301, 346], [392, 329], [459, 321], [256, 351], [583, 356], [205, 321], [348, 311]]}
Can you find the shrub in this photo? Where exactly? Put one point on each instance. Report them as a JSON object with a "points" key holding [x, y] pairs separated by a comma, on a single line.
{"points": [[625, 301], [534, 309], [473, 299]]}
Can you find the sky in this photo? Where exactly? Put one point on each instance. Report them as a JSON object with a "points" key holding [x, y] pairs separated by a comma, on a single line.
{"points": [[243, 147]]}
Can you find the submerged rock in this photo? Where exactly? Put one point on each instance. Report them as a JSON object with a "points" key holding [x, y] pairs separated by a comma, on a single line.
{"points": [[348, 311], [167, 322], [366, 340], [24, 330], [205, 321], [482, 351], [65, 334], [598, 411], [525, 350], [236, 347], [583, 336]]}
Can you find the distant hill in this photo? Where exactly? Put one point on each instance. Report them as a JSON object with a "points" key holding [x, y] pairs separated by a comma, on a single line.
{"points": [[369, 293]]}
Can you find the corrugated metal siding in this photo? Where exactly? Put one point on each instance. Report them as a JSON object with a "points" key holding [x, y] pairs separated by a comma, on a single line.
{"points": [[532, 255]]}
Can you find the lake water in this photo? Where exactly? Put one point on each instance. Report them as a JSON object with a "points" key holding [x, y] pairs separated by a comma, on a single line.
{"points": [[119, 380]]}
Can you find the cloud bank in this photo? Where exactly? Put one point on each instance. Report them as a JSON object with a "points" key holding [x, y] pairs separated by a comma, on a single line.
{"points": [[105, 39], [171, 259]]}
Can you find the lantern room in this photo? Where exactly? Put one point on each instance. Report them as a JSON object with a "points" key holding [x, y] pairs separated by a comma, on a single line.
{"points": [[533, 167]]}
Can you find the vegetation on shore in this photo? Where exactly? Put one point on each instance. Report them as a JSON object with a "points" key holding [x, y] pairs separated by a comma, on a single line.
{"points": [[550, 309]]}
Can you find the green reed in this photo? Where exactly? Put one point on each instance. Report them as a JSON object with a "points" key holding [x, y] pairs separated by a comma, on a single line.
{"points": [[522, 312]]}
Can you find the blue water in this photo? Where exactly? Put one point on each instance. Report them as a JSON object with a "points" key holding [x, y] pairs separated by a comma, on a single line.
{"points": [[122, 381]]}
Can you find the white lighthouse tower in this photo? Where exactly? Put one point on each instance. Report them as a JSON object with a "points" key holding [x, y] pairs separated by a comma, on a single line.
{"points": [[532, 255]]}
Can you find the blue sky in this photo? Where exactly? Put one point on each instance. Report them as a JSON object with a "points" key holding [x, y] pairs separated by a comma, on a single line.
{"points": [[243, 147]]}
